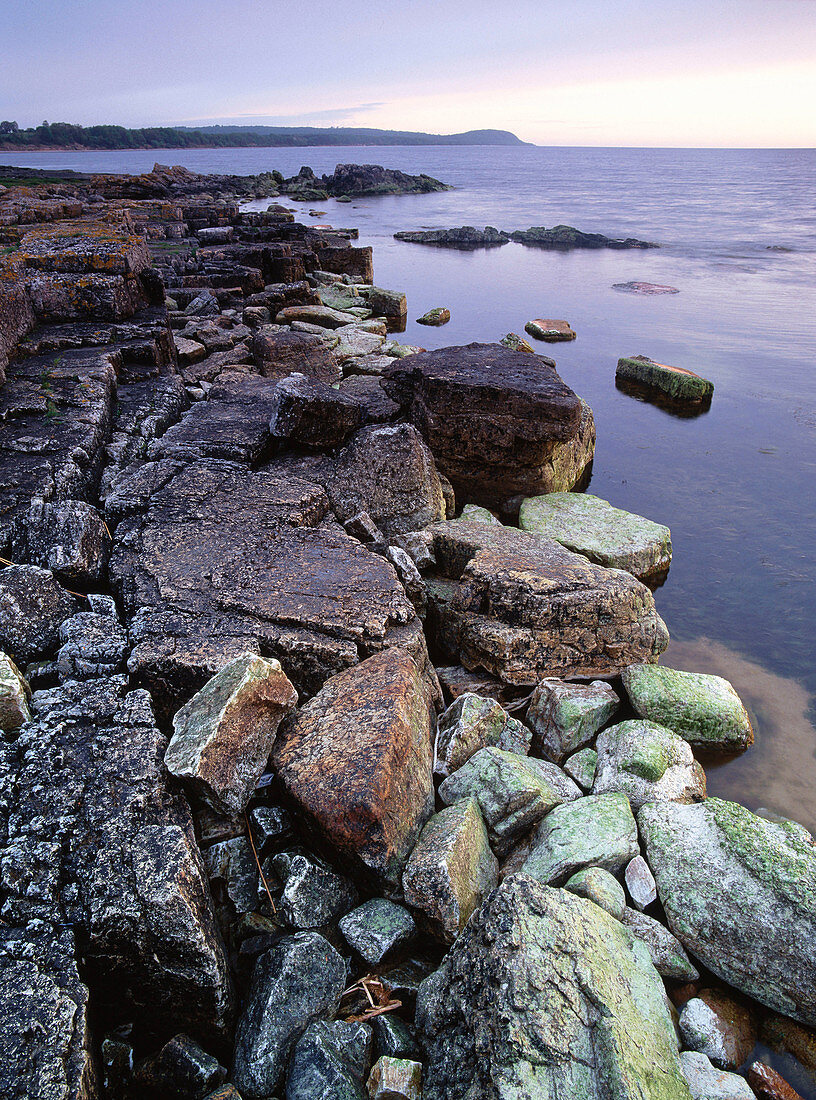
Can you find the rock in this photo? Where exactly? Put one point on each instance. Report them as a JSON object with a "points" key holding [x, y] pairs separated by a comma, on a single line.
{"points": [[354, 342], [96, 841], [410, 577], [330, 1062], [648, 763], [668, 956], [599, 886], [14, 695], [513, 792], [373, 364], [451, 869], [640, 883], [395, 1079], [703, 710], [393, 1037], [377, 407], [523, 608], [183, 1069], [389, 473], [675, 383], [312, 413], [581, 767], [635, 287], [490, 415], [740, 893], [272, 827], [354, 180], [708, 1083], [597, 830], [377, 928], [438, 316], [68, 537], [784, 1036], [606, 535], [205, 304], [324, 316], [717, 1026], [545, 994], [190, 351], [45, 1043], [295, 983], [465, 237], [357, 760], [768, 1084], [565, 237], [391, 304], [313, 895], [516, 343], [472, 723], [565, 717], [32, 608], [223, 737], [551, 331], [231, 864], [474, 514], [91, 644], [278, 353]]}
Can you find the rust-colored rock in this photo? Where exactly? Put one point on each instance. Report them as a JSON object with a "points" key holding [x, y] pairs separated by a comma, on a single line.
{"points": [[357, 759], [768, 1084]]}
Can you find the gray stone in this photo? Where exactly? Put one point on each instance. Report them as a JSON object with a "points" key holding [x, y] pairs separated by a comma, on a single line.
{"points": [[272, 827], [410, 578], [364, 388], [598, 830], [545, 995], [14, 695], [92, 644], [705, 710], [471, 723], [68, 537], [377, 928], [606, 535], [312, 413], [440, 315], [740, 893], [32, 608], [278, 353], [640, 883], [330, 1062], [599, 886], [313, 895], [356, 341], [223, 736], [565, 717], [648, 763], [393, 1037], [232, 864], [716, 1025], [514, 792], [581, 767], [675, 383], [451, 869], [668, 956], [295, 983], [181, 1068], [708, 1083]]}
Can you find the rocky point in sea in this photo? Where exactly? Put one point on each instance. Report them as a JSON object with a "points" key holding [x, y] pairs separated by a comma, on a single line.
{"points": [[337, 759]]}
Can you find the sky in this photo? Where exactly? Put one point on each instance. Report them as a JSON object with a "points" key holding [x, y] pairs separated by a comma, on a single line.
{"points": [[555, 72]]}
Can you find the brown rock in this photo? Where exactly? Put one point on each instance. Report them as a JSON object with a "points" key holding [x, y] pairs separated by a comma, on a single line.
{"points": [[719, 1027], [279, 353], [784, 1035], [357, 759], [768, 1084]]}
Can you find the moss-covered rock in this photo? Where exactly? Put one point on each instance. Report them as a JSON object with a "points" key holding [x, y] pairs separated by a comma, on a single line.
{"points": [[648, 763], [676, 383], [598, 830]]}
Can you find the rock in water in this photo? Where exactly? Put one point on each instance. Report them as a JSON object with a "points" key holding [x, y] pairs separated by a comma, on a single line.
{"points": [[357, 759], [676, 383], [464, 237], [223, 737], [295, 983], [740, 893], [546, 995], [550, 330], [703, 710], [438, 316], [606, 535]]}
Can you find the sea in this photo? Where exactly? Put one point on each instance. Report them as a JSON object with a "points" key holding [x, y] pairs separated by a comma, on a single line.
{"points": [[736, 485]]}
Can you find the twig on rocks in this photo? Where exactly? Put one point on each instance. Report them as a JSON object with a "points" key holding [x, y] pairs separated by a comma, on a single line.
{"points": [[382, 1003], [258, 863]]}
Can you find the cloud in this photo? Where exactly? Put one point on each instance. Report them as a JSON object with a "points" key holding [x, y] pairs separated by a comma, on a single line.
{"points": [[331, 116]]}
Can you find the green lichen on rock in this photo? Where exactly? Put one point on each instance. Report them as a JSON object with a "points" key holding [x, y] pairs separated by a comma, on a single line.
{"points": [[676, 382], [704, 710], [648, 763], [597, 830], [604, 534], [599, 886]]}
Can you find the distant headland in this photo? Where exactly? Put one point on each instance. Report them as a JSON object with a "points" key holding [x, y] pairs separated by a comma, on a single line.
{"points": [[65, 135]]}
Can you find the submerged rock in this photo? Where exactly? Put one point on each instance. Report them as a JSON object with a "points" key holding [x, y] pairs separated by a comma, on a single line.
{"points": [[636, 287], [606, 535], [676, 383], [545, 994], [740, 893]]}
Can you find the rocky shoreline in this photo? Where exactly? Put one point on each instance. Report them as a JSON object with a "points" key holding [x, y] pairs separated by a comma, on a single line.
{"points": [[337, 761]]}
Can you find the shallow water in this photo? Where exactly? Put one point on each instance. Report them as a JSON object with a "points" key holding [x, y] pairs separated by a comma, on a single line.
{"points": [[736, 485]]}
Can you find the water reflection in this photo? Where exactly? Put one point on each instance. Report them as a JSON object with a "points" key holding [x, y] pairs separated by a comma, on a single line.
{"points": [[779, 771]]}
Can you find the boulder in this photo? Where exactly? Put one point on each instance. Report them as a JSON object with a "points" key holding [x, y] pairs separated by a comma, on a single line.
{"points": [[393, 1037], [377, 928], [549, 330], [667, 954], [312, 413], [313, 895], [223, 736], [740, 894], [373, 179], [295, 983], [599, 886], [581, 767], [355, 341], [278, 352], [606, 535], [324, 316], [181, 1068], [517, 343], [32, 609], [704, 710], [14, 695], [675, 383], [565, 717], [545, 994], [357, 761], [377, 407], [391, 304], [716, 1025], [464, 237], [68, 537], [522, 607], [92, 643], [472, 723], [595, 831], [648, 763], [513, 792], [708, 1083], [562, 238], [451, 869], [330, 1062], [490, 415]]}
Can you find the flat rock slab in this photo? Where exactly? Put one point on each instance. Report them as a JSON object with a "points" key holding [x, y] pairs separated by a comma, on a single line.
{"points": [[550, 330], [546, 995], [740, 894], [357, 760], [522, 607], [677, 383], [635, 286], [604, 534], [491, 416], [224, 560]]}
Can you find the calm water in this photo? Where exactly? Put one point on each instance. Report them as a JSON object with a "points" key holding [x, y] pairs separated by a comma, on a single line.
{"points": [[735, 485]]}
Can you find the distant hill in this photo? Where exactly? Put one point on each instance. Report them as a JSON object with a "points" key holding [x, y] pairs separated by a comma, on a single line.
{"points": [[66, 135]]}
